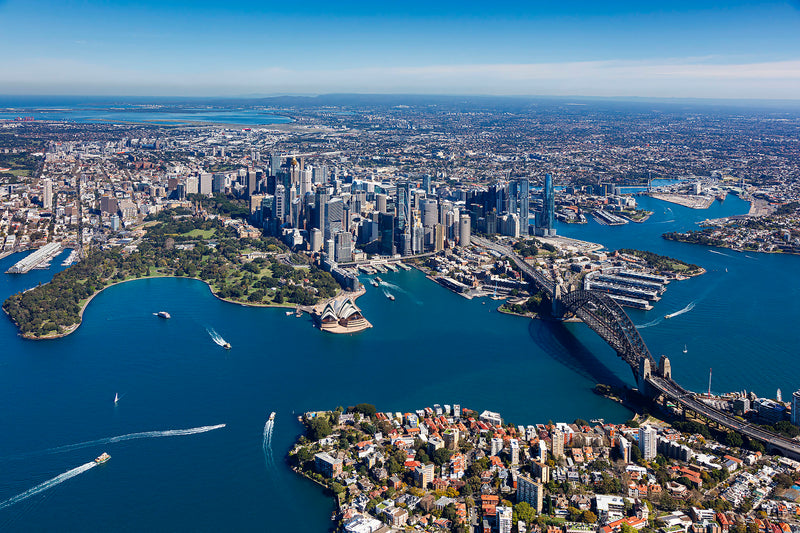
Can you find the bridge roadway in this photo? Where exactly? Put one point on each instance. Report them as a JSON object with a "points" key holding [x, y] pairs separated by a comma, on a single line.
{"points": [[663, 386], [681, 396]]}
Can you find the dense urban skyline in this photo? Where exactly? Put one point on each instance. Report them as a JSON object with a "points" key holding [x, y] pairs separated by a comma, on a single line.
{"points": [[702, 49]]}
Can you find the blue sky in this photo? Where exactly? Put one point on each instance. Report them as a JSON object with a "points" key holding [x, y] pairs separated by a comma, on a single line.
{"points": [[704, 48]]}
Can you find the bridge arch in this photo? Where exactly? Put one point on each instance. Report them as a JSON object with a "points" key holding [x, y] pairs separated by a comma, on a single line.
{"points": [[606, 317]]}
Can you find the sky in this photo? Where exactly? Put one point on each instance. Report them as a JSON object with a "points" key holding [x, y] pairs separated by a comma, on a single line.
{"points": [[676, 49]]}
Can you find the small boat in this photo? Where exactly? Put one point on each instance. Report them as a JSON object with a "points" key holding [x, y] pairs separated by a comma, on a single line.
{"points": [[390, 296], [116, 398], [684, 349], [378, 279], [227, 346], [103, 458], [374, 283], [272, 415], [597, 421], [669, 315], [288, 313], [162, 314]]}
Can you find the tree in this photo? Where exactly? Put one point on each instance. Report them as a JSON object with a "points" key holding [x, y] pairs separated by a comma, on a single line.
{"points": [[523, 511], [367, 409], [319, 428], [589, 517]]}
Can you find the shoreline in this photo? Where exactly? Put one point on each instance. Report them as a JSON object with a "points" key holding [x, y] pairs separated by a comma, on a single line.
{"points": [[71, 329], [740, 250]]}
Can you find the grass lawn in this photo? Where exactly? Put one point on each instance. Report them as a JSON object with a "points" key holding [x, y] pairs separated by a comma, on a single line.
{"points": [[202, 233]]}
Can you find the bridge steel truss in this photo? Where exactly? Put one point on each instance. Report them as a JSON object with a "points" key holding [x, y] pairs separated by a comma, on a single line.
{"points": [[607, 318]]}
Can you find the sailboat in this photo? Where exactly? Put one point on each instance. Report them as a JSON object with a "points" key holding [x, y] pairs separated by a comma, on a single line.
{"points": [[684, 349], [116, 397]]}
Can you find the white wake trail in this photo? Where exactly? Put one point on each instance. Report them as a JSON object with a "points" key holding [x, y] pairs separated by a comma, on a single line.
{"points": [[655, 322], [122, 438], [61, 478], [216, 337], [684, 310], [720, 253], [266, 443]]}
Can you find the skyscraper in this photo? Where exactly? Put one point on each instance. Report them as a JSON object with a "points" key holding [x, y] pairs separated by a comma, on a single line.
{"points": [[796, 408], [47, 200], [523, 198], [547, 220], [334, 211], [464, 236]]}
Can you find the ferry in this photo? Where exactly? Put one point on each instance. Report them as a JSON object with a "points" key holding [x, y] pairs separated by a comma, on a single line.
{"points": [[378, 279], [162, 314], [272, 415], [102, 459]]}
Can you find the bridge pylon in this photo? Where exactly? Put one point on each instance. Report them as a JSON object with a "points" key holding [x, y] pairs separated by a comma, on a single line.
{"points": [[555, 302], [644, 374]]}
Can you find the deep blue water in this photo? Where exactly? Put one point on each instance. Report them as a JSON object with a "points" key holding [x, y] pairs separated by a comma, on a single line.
{"points": [[105, 109], [428, 346]]}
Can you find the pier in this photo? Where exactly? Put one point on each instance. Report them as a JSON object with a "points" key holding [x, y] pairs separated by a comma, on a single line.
{"points": [[42, 255]]}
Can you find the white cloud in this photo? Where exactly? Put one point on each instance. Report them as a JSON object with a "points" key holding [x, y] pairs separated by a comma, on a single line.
{"points": [[690, 77]]}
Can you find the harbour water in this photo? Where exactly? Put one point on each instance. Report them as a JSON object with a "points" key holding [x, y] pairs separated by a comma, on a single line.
{"points": [[428, 346]]}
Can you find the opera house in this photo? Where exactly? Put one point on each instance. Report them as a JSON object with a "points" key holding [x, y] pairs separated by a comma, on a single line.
{"points": [[341, 316]]}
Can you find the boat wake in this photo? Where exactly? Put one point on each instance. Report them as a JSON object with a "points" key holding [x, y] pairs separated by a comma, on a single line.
{"points": [[720, 253], [652, 323], [50, 483], [682, 311], [216, 337], [122, 438], [266, 444], [399, 289]]}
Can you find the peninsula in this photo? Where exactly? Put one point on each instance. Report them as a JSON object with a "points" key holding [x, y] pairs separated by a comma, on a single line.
{"points": [[448, 468], [239, 266]]}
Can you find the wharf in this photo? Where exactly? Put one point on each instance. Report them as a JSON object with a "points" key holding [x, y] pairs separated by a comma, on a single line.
{"points": [[692, 202], [42, 255]]}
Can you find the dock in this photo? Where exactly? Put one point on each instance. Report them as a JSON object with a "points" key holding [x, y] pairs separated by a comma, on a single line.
{"points": [[42, 255]]}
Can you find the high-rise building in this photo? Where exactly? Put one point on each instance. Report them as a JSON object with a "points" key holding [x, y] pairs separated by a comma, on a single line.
{"points": [[624, 447], [404, 218], [523, 198], [343, 251], [380, 203], [47, 194], [546, 222], [334, 213], [497, 446], [648, 442], [796, 408], [557, 437], [274, 164], [513, 451], [280, 204], [206, 182], [192, 185], [464, 231], [530, 491], [504, 519]]}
